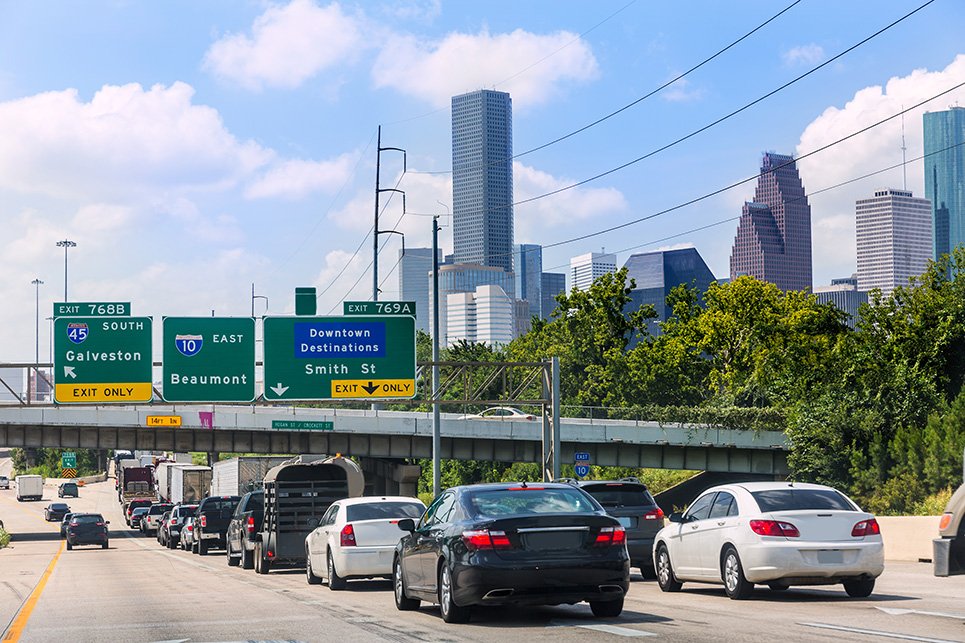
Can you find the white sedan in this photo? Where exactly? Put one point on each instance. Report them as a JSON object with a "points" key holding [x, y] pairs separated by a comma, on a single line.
{"points": [[500, 413], [774, 533], [356, 538]]}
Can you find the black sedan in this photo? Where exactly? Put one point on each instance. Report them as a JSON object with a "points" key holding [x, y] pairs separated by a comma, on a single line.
{"points": [[515, 543], [87, 529], [55, 511]]}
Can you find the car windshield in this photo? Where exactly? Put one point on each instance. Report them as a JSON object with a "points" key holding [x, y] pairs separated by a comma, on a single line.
{"points": [[798, 499], [517, 501], [88, 519], [383, 510], [620, 495]]}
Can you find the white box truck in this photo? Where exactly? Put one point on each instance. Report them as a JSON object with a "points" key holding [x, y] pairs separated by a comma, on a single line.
{"points": [[238, 476], [189, 483], [30, 487], [162, 475]]}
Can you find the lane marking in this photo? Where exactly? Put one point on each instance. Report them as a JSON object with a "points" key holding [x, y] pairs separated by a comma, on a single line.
{"points": [[20, 620], [602, 627], [890, 635], [901, 612]]}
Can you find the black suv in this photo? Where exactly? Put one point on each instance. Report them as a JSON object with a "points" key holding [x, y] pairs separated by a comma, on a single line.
{"points": [[67, 489], [211, 522], [629, 501]]}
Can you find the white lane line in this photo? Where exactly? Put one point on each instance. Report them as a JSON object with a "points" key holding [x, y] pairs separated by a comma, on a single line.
{"points": [[609, 629], [890, 635], [901, 612]]}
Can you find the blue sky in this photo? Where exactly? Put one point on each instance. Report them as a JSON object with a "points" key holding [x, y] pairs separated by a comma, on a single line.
{"points": [[194, 148]]}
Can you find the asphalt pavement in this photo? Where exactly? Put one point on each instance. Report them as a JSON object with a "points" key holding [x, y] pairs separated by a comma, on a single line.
{"points": [[139, 591]]}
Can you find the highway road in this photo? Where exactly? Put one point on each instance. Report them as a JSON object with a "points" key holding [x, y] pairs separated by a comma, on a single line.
{"points": [[138, 591]]}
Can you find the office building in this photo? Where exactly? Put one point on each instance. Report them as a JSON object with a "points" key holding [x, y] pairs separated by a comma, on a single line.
{"points": [[482, 179], [551, 284], [944, 133], [656, 273], [894, 238], [466, 278], [415, 282], [528, 270], [485, 315], [584, 269], [773, 241], [845, 294]]}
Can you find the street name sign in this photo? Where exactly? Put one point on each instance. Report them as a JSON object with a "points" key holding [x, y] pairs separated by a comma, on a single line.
{"points": [[163, 420], [92, 309], [301, 425], [208, 359], [378, 308], [102, 360], [324, 358]]}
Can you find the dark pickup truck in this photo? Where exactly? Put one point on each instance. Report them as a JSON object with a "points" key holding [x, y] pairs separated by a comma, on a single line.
{"points": [[244, 528], [211, 522]]}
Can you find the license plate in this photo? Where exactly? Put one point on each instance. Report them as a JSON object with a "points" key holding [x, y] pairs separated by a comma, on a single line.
{"points": [[832, 557], [626, 521], [554, 540]]}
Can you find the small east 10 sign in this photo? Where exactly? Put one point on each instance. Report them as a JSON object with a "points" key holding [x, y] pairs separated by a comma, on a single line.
{"points": [[582, 470]]}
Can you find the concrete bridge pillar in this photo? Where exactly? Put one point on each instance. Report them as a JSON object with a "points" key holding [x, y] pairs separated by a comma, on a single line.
{"points": [[390, 477]]}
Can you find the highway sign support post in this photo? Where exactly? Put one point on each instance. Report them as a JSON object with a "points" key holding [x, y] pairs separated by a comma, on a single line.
{"points": [[208, 359]]}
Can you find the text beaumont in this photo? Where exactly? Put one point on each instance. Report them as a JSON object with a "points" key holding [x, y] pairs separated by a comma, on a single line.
{"points": [[209, 379]]}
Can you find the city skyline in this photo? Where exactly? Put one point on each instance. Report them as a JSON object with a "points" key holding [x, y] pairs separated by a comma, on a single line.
{"points": [[943, 134], [188, 173]]}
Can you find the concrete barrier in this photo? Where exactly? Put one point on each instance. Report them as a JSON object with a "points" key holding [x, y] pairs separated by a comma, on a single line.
{"points": [[53, 482], [908, 538]]}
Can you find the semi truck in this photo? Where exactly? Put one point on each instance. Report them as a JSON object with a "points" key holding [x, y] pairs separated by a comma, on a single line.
{"points": [[134, 481], [189, 483], [238, 476], [29, 487], [296, 495]]}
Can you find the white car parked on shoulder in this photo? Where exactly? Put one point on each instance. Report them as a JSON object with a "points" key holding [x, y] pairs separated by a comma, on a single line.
{"points": [[774, 533], [356, 538]]}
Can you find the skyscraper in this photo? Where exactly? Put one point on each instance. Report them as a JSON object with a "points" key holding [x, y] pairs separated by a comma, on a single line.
{"points": [[415, 268], [945, 177], [773, 241], [894, 235], [482, 179], [845, 294], [485, 315], [528, 268], [656, 273], [584, 269], [551, 284]]}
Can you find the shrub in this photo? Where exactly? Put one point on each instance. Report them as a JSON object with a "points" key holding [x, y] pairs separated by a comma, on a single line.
{"points": [[4, 538]]}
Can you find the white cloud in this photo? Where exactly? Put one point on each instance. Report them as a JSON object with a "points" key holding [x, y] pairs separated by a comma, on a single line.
{"points": [[435, 71], [343, 278], [102, 217], [681, 91], [125, 141], [299, 178], [803, 55], [287, 46], [832, 212]]}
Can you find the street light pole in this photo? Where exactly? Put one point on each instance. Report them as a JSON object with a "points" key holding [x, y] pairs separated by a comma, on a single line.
{"points": [[37, 282], [65, 244]]}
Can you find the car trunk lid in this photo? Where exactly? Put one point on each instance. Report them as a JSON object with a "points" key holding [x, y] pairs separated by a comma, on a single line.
{"points": [[822, 525]]}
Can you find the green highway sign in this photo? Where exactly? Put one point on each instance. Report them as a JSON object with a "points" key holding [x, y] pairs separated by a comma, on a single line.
{"points": [[378, 308], [102, 359], [208, 359], [298, 425], [324, 358], [92, 309], [68, 460]]}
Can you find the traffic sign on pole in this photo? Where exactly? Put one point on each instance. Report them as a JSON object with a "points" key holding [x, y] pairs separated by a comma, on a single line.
{"points": [[68, 460], [102, 359], [582, 470], [208, 359], [323, 358]]}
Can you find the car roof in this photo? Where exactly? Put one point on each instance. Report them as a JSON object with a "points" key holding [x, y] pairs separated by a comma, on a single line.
{"points": [[771, 486], [502, 486], [371, 500]]}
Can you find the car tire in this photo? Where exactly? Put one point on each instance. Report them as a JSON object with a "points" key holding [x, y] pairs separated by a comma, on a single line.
{"points": [[335, 582], [171, 543], [451, 613], [778, 587], [665, 576], [647, 570], [732, 573], [202, 548], [106, 544], [247, 559], [309, 574], [402, 602], [860, 588], [262, 564], [607, 609], [69, 546]]}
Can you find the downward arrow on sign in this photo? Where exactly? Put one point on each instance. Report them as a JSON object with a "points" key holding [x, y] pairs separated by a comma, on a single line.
{"points": [[279, 389], [69, 372], [371, 388]]}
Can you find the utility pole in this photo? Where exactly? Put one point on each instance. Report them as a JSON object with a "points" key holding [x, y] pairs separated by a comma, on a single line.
{"points": [[436, 429], [66, 244], [378, 190]]}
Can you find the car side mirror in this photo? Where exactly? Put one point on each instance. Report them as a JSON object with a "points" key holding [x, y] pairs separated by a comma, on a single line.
{"points": [[407, 524], [676, 517], [107, 522]]}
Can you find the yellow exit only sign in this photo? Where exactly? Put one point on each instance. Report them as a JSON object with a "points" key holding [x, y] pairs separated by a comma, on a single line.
{"points": [[164, 420]]}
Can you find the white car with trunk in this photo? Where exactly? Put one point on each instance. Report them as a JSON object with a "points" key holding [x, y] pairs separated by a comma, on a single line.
{"points": [[356, 538], [773, 533]]}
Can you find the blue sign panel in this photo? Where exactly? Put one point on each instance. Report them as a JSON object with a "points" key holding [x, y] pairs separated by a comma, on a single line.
{"points": [[339, 339], [581, 456], [582, 470]]}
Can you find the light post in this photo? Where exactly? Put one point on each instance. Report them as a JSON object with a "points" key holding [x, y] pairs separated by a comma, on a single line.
{"points": [[254, 297], [50, 340], [37, 283], [66, 244]]}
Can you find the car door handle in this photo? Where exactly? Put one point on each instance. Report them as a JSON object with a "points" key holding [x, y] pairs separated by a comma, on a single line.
{"points": [[694, 526], [721, 523]]}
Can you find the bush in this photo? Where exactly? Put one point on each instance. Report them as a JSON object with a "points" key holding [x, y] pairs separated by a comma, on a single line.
{"points": [[4, 538], [933, 505]]}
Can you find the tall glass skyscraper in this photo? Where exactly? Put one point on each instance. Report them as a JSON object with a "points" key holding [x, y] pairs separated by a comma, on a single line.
{"points": [[528, 269], [945, 177], [415, 281], [482, 179], [773, 240]]}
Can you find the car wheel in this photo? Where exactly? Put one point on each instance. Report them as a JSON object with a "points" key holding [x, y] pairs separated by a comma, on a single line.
{"points": [[778, 587], [607, 609], [262, 564], [232, 560], [859, 588], [105, 545], [309, 574], [402, 602], [647, 570], [203, 548], [69, 546], [335, 582], [665, 576], [735, 584], [247, 559], [451, 613], [172, 543]]}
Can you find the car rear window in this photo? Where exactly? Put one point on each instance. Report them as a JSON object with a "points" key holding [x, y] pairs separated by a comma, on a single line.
{"points": [[797, 499], [620, 495], [223, 506], [528, 500], [159, 509], [383, 510], [140, 510], [184, 512], [87, 520], [69, 486], [59, 506]]}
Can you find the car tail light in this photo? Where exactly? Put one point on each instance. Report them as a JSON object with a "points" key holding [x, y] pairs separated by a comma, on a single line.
{"points": [[190, 527], [204, 520], [611, 536], [774, 528], [866, 528], [347, 537], [480, 539], [250, 525], [271, 554], [944, 522], [654, 514]]}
